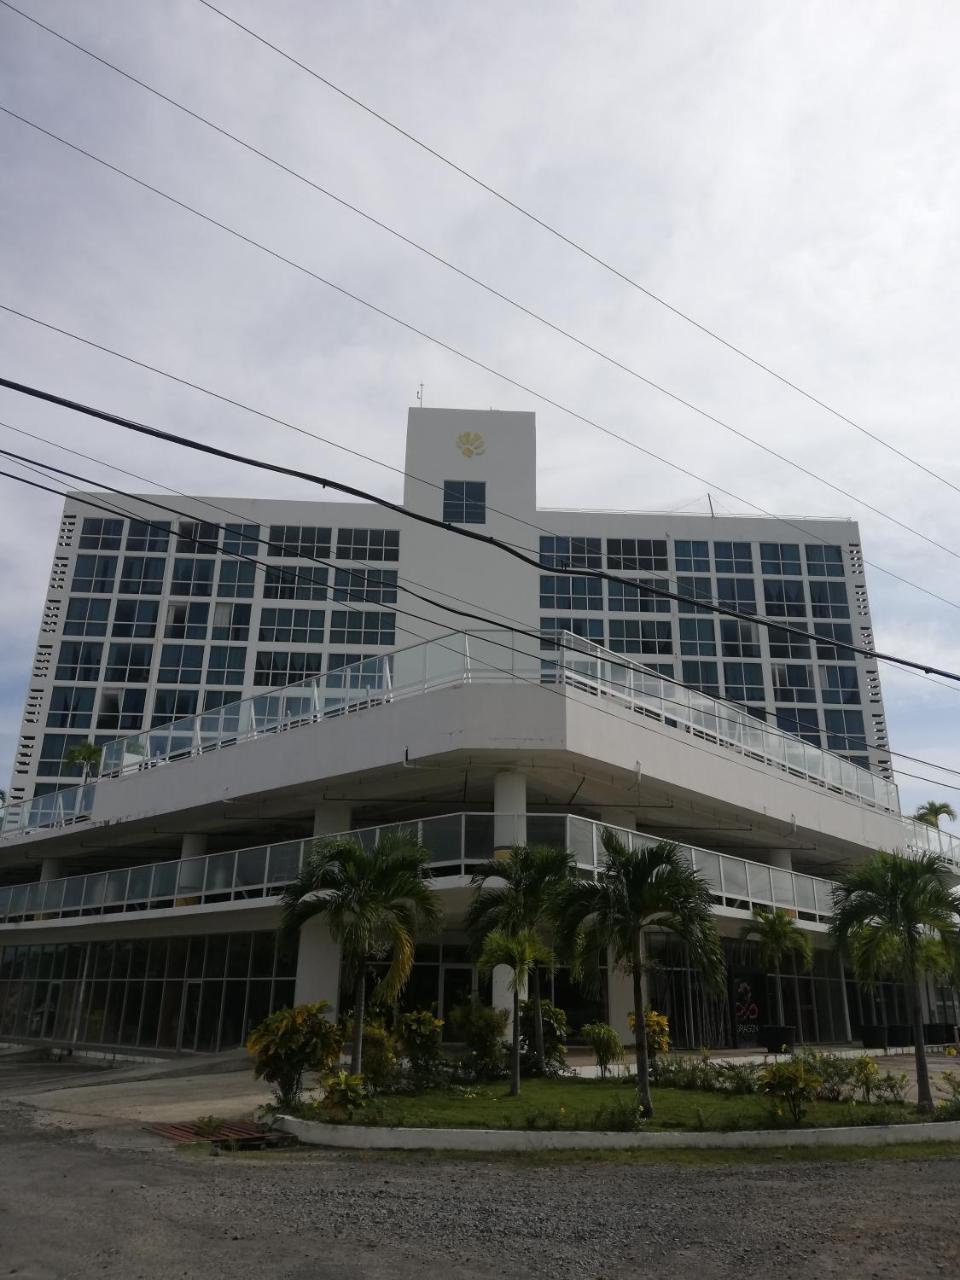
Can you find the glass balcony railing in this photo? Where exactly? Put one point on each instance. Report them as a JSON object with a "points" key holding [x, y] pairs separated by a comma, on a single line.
{"points": [[456, 843], [487, 657]]}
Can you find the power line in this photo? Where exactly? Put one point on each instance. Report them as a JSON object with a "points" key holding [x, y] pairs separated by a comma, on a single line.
{"points": [[575, 245], [433, 522], [514, 675], [488, 288]]}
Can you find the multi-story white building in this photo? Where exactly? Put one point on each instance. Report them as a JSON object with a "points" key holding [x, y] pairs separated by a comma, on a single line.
{"points": [[141, 908]]}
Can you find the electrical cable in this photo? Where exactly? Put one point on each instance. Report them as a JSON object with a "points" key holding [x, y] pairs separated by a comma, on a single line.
{"points": [[433, 522], [439, 342], [569, 241], [490, 289]]}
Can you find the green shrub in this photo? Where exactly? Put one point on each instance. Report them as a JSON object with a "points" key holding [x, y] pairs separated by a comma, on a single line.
{"points": [[290, 1042], [792, 1083], [481, 1028], [381, 1063], [343, 1096], [891, 1088], [606, 1045], [866, 1076], [738, 1077], [419, 1037], [836, 1073], [686, 1073], [657, 1028], [554, 1038], [622, 1115]]}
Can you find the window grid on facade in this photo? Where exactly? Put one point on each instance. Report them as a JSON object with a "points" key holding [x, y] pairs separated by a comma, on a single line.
{"points": [[824, 561], [733, 557], [198, 537], [94, 575], [586, 628], [368, 544], [701, 675], [571, 553], [192, 577], [802, 722], [86, 616], [180, 664], [366, 586], [70, 707], [793, 682], [226, 664], [100, 535], [236, 580], [241, 539], [298, 542], [153, 535], [691, 556], [636, 597], [743, 681], [308, 582], [121, 710], [231, 622], [278, 668], [787, 644], [563, 593], [629, 635], [135, 619], [839, 632], [693, 589], [291, 626], [173, 704], [79, 660], [739, 639], [141, 576], [187, 621], [464, 501], [780, 559], [829, 600], [844, 729], [784, 598], [637, 554], [839, 684], [128, 663], [697, 637], [362, 628], [737, 593]]}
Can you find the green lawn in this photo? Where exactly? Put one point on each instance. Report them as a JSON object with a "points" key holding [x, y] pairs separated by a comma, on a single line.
{"points": [[575, 1104]]}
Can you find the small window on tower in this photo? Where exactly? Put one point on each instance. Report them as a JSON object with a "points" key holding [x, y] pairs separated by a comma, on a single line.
{"points": [[465, 501]]}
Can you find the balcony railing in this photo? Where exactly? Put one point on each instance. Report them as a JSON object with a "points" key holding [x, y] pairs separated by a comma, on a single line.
{"points": [[456, 843], [488, 657]]}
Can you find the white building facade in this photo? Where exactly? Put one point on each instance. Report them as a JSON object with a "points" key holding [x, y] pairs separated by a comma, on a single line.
{"points": [[260, 672]]}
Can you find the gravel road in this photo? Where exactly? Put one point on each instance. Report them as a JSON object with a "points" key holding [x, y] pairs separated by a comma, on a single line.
{"points": [[119, 1204]]}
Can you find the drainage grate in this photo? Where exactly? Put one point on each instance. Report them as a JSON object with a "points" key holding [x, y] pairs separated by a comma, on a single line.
{"points": [[197, 1131]]}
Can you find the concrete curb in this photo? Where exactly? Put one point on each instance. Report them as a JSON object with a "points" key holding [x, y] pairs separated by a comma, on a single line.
{"points": [[356, 1137]]}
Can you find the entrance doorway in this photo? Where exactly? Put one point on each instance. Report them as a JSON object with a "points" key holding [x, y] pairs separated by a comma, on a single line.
{"points": [[456, 987]]}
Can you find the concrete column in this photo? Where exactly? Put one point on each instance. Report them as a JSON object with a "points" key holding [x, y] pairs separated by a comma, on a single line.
{"points": [[619, 1000], [318, 967], [50, 869], [331, 819], [193, 844], [782, 858], [510, 809]]}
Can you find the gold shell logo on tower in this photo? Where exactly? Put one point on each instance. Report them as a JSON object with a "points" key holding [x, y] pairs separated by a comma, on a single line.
{"points": [[471, 444]]}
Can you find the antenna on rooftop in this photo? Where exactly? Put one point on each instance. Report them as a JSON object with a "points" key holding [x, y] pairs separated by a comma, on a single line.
{"points": [[710, 504], [420, 395]]}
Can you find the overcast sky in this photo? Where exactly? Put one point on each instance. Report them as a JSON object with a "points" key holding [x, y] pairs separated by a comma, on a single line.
{"points": [[788, 174]]}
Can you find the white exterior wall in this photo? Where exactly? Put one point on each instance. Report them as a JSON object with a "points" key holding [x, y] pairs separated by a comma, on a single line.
{"points": [[469, 576]]}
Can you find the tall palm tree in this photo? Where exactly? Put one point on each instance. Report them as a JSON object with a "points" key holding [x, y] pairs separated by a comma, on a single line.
{"points": [[376, 902], [897, 917], [779, 938], [525, 898], [933, 811], [519, 952], [635, 889]]}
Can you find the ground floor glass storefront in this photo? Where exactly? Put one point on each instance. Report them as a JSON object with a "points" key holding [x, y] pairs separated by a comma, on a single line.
{"points": [[199, 994]]}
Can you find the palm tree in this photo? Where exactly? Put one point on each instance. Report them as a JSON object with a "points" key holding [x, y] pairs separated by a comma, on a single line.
{"points": [[778, 937], [87, 755], [897, 917], [519, 952], [635, 889], [933, 811], [524, 900], [376, 902]]}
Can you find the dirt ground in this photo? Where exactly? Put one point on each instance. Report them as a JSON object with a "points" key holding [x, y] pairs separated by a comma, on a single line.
{"points": [[86, 1191]]}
